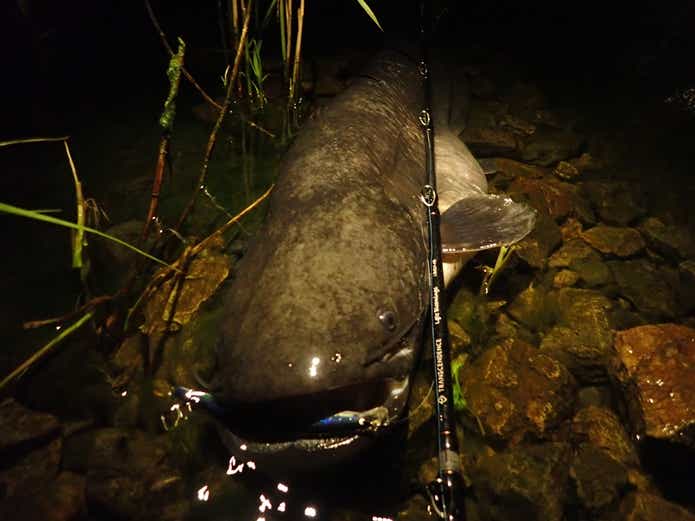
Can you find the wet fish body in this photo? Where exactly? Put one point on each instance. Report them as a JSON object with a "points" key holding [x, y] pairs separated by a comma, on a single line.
{"points": [[323, 321]]}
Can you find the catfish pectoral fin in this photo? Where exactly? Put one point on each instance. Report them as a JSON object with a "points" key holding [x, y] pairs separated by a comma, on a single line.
{"points": [[484, 221]]}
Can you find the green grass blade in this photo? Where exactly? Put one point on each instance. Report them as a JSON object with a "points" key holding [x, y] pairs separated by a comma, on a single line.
{"points": [[31, 140], [369, 12], [37, 216]]}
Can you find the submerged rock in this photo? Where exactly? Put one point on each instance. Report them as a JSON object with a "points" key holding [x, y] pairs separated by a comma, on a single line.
{"points": [[491, 141], [656, 367], [673, 242], [61, 499], [642, 506], [602, 428], [536, 247], [648, 287], [615, 203], [514, 391], [22, 428], [548, 196], [528, 483], [582, 338], [128, 475], [599, 480], [549, 146], [612, 240], [587, 263]]}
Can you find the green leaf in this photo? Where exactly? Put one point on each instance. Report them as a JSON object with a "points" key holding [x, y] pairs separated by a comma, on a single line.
{"points": [[369, 12]]}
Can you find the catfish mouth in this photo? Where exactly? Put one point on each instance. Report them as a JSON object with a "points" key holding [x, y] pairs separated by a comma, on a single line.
{"points": [[342, 420]]}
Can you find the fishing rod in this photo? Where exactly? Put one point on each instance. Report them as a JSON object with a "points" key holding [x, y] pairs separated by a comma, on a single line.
{"points": [[446, 491]]}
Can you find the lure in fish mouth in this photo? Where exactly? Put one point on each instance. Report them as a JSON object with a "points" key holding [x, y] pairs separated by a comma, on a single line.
{"points": [[323, 320]]}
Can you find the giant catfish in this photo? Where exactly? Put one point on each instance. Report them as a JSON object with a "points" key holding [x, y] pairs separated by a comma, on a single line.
{"points": [[324, 319]]}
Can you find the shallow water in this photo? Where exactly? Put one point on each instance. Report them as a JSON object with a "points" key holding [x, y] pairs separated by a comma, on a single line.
{"points": [[111, 116]]}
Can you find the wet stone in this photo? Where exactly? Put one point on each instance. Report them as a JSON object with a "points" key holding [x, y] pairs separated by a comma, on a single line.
{"points": [[599, 480], [535, 248], [587, 263], [586, 163], [686, 285], [656, 363], [516, 392], [565, 279], [22, 428], [487, 142], [582, 338], [571, 229], [527, 483], [126, 468], [32, 470], [612, 240], [643, 506], [673, 242], [602, 428], [531, 308], [615, 203], [518, 125], [566, 171], [486, 114], [61, 499], [513, 169], [549, 146], [648, 287], [554, 198]]}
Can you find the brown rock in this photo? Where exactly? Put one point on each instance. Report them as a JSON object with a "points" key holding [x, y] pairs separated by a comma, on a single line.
{"points": [[35, 468], [657, 362], [613, 240], [554, 198], [490, 141], [515, 391], [60, 500], [571, 229], [22, 427], [641, 506], [565, 170], [603, 429], [518, 169]]}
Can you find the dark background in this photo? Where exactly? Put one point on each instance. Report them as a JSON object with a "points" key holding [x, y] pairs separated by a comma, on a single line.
{"points": [[81, 54]]}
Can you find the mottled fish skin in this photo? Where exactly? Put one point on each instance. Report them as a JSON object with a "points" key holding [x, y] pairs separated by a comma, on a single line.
{"points": [[343, 242], [326, 307]]}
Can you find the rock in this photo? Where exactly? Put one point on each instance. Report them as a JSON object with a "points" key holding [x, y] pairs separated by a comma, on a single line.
{"points": [[125, 470], [550, 145], [673, 242], [566, 171], [611, 240], [586, 163], [526, 483], [686, 285], [648, 287], [582, 338], [536, 247], [642, 506], [487, 142], [21, 428], [615, 203], [594, 395], [472, 314], [565, 279], [531, 308], [514, 391], [524, 97], [514, 169], [599, 480], [655, 363], [61, 499], [602, 428], [571, 229], [486, 114], [577, 255], [518, 125], [192, 351], [416, 508], [551, 197], [33, 470]]}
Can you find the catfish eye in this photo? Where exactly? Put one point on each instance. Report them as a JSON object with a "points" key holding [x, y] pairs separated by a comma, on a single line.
{"points": [[387, 319]]}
